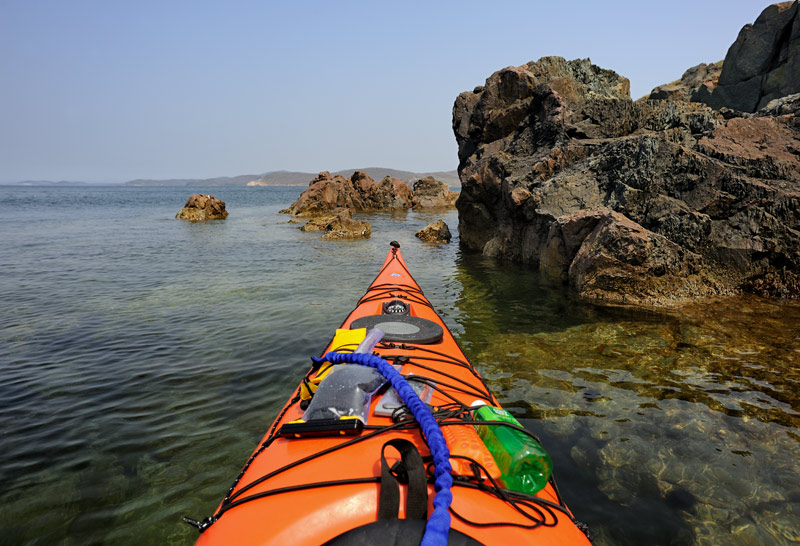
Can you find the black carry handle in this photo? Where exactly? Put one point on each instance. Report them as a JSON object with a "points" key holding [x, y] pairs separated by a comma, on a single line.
{"points": [[410, 469]]}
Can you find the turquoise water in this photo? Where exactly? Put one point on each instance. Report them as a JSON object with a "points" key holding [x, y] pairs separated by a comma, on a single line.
{"points": [[143, 357]]}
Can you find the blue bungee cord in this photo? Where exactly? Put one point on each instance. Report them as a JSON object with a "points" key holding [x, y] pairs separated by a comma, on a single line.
{"points": [[437, 528]]}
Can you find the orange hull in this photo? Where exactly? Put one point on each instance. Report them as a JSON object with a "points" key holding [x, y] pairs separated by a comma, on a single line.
{"points": [[276, 511]]}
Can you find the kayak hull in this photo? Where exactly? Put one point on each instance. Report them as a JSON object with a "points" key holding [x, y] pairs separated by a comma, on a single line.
{"points": [[290, 494]]}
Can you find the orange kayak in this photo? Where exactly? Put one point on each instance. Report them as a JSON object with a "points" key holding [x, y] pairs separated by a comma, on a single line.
{"points": [[352, 459]]}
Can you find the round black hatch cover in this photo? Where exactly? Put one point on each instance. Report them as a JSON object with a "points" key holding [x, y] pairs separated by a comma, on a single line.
{"points": [[402, 328]]}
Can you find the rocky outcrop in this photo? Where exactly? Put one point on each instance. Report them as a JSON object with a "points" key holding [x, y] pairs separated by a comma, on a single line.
{"points": [[389, 194], [361, 193], [782, 106], [358, 193], [696, 84], [431, 193], [617, 261], [339, 225], [202, 207], [649, 202], [435, 232], [763, 63]]}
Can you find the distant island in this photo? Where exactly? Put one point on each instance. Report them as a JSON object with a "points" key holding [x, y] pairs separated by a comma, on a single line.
{"points": [[296, 178], [271, 178], [50, 183], [240, 180]]}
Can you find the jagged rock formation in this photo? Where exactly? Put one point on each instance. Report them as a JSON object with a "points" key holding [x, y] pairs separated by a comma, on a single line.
{"points": [[430, 193], [435, 232], [358, 193], [361, 193], [763, 63], [202, 207], [696, 84], [339, 225], [650, 202]]}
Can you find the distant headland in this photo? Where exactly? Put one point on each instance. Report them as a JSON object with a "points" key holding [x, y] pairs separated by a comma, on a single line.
{"points": [[270, 178], [297, 178]]}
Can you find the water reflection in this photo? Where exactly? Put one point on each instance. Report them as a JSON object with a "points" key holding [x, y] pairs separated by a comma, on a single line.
{"points": [[679, 427]]}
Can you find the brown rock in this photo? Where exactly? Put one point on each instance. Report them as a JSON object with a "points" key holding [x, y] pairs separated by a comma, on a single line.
{"points": [[392, 194], [202, 207], [656, 201], [431, 193], [339, 225], [436, 232], [358, 193], [694, 83], [620, 262], [781, 284]]}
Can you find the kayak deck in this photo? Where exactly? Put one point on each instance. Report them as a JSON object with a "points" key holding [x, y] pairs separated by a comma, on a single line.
{"points": [[311, 490]]}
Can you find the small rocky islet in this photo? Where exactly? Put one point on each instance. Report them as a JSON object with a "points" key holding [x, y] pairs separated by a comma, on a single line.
{"points": [[200, 207], [330, 200]]}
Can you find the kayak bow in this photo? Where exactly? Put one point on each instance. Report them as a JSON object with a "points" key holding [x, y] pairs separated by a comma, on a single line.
{"points": [[347, 447]]}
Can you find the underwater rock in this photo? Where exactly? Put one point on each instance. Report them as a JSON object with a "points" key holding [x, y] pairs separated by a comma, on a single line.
{"points": [[339, 225], [201, 207], [435, 232]]}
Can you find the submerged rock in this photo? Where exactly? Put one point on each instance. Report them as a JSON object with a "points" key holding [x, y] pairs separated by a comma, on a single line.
{"points": [[436, 232], [339, 225], [202, 207], [650, 202]]}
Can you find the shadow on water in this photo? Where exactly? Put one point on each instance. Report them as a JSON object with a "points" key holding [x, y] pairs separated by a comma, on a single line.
{"points": [[665, 427]]}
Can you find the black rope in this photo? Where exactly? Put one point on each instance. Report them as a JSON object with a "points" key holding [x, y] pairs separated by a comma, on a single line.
{"points": [[311, 457], [481, 394], [299, 487], [436, 381], [465, 363]]}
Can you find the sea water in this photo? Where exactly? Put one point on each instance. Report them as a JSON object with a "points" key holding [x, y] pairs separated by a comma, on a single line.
{"points": [[143, 357]]}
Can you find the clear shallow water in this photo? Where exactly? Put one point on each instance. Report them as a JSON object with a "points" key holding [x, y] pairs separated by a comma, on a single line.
{"points": [[143, 357]]}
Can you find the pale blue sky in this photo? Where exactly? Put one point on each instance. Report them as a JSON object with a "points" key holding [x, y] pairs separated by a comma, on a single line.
{"points": [[113, 90]]}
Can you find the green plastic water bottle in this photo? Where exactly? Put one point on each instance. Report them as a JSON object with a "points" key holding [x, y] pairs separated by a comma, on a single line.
{"points": [[524, 464]]}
